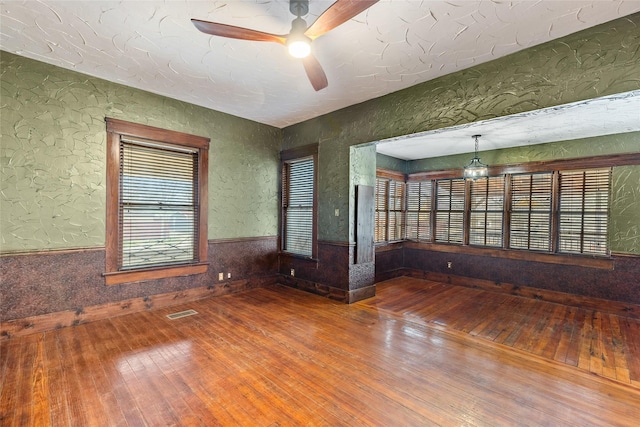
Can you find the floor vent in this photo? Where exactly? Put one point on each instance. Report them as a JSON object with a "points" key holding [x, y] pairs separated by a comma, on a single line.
{"points": [[180, 314]]}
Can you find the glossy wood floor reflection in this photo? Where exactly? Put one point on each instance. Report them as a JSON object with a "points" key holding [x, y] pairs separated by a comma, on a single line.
{"points": [[281, 357], [602, 343]]}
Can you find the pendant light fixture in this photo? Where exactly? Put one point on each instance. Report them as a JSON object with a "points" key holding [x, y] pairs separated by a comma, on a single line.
{"points": [[476, 169]]}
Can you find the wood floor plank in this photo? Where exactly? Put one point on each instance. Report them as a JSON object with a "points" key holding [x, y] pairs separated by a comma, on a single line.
{"points": [[549, 339], [520, 321], [630, 329], [573, 350], [606, 345], [10, 361], [491, 315], [565, 331], [280, 357], [586, 339], [577, 337], [56, 394], [622, 370], [531, 329]]}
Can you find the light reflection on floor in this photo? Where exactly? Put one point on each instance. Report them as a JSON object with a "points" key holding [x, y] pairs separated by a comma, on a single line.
{"points": [[156, 360]]}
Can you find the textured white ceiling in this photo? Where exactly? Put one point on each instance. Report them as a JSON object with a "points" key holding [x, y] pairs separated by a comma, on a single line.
{"points": [[152, 45]]}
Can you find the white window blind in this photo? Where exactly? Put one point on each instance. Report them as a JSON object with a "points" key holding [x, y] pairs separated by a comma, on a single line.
{"points": [[487, 208], [382, 207], [418, 218], [158, 205], [531, 211], [395, 229], [450, 210], [390, 212], [298, 188], [584, 211]]}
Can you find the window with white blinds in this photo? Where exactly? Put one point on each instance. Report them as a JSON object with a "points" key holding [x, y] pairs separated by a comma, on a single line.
{"points": [[156, 223], [390, 210], [531, 196], [298, 184], [487, 212], [584, 211], [158, 208], [419, 204], [450, 209]]}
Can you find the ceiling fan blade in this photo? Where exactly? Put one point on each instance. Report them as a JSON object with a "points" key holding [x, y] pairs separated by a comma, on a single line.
{"points": [[224, 30], [337, 14], [316, 74]]}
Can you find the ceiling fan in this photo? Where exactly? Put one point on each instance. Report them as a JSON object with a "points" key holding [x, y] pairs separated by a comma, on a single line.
{"points": [[300, 37]]}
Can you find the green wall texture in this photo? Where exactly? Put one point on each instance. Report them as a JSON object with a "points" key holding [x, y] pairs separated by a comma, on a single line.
{"points": [[599, 61], [53, 157], [388, 162], [53, 137]]}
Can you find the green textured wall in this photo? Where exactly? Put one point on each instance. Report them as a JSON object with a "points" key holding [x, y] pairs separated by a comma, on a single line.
{"points": [[53, 157], [388, 162], [624, 230], [361, 173], [600, 61], [585, 147]]}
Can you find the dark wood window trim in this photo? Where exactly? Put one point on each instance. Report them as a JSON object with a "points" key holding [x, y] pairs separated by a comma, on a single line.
{"points": [[390, 174], [120, 128], [299, 153]]}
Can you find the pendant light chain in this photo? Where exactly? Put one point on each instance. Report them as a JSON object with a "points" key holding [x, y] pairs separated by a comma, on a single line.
{"points": [[476, 138]]}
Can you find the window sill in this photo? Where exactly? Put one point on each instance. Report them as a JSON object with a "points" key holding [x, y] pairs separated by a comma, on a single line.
{"points": [[141, 275], [389, 246], [298, 256], [564, 259]]}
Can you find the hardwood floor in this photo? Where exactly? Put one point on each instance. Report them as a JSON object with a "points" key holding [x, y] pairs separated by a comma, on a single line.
{"points": [[601, 343], [277, 356]]}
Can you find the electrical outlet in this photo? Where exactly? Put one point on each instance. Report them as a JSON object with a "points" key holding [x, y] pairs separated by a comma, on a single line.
{"points": [[337, 212], [293, 272], [228, 275], [449, 264], [220, 276]]}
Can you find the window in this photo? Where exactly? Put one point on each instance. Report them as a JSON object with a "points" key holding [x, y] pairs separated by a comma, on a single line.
{"points": [[562, 211], [450, 197], [584, 211], [487, 211], [156, 203], [418, 219], [531, 211], [390, 211], [299, 202]]}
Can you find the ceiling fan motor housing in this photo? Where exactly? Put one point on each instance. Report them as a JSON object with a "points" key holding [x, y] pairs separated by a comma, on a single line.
{"points": [[299, 7]]}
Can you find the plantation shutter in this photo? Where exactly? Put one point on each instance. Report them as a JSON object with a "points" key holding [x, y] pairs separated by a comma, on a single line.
{"points": [[487, 207], [450, 210], [418, 217], [381, 210], [396, 210], [531, 211], [158, 206], [584, 211], [298, 178]]}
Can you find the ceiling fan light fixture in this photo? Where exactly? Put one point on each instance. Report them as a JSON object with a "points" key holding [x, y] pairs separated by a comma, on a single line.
{"points": [[476, 169], [299, 47], [298, 44]]}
